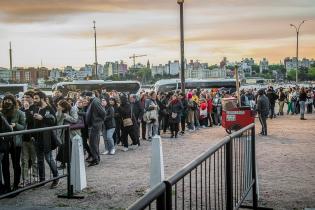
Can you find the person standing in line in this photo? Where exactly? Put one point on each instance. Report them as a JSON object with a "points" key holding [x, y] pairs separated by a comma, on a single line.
{"points": [[151, 109], [109, 128], [95, 116], [129, 124], [273, 97], [282, 99], [16, 120], [302, 100], [136, 110], [263, 110], [143, 123], [175, 108], [44, 116], [29, 160]]}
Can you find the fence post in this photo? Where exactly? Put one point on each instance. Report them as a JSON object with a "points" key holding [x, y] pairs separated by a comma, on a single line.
{"points": [[255, 197], [69, 194], [229, 174], [168, 194], [161, 202]]}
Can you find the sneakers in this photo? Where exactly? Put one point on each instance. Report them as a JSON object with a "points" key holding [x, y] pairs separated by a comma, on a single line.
{"points": [[112, 152], [105, 153], [55, 183], [125, 149]]}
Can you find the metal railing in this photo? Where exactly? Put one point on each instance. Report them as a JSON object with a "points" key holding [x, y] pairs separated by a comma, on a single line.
{"points": [[220, 178], [29, 177]]}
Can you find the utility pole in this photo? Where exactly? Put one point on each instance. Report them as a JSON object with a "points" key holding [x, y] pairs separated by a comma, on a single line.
{"points": [[297, 47], [182, 66], [96, 64], [10, 54]]}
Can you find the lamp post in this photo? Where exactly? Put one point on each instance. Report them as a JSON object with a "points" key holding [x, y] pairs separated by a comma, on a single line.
{"points": [[297, 46], [182, 57], [96, 64]]}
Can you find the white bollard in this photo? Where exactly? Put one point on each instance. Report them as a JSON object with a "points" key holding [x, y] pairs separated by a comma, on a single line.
{"points": [[157, 164], [78, 175]]}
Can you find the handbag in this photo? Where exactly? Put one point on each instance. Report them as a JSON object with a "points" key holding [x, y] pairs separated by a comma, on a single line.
{"points": [[78, 125], [128, 121]]}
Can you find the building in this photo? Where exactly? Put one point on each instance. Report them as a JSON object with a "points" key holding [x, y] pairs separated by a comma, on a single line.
{"points": [[291, 63], [30, 75], [263, 65], [171, 68], [5, 75], [55, 74]]}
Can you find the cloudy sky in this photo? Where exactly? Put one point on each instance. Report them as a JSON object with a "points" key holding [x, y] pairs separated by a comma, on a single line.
{"points": [[59, 32]]}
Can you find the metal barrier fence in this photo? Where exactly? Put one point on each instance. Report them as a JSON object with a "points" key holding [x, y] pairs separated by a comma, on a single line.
{"points": [[31, 173], [220, 178]]}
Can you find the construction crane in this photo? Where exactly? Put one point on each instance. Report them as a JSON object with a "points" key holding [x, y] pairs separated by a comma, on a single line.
{"points": [[134, 59]]}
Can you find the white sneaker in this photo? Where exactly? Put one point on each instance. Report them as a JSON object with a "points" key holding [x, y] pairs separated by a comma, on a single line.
{"points": [[112, 152], [105, 153], [125, 149]]}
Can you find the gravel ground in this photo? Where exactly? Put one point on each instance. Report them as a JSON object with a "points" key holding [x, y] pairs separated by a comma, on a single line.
{"points": [[285, 166]]}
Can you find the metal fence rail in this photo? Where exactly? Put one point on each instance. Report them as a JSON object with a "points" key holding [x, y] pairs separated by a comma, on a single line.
{"points": [[30, 178], [219, 178]]}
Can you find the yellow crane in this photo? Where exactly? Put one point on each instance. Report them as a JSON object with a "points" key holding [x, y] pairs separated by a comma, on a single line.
{"points": [[134, 56]]}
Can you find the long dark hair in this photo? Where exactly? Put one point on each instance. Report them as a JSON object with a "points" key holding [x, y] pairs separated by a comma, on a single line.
{"points": [[14, 102]]}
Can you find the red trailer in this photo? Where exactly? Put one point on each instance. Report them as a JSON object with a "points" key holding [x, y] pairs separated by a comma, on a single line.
{"points": [[235, 118]]}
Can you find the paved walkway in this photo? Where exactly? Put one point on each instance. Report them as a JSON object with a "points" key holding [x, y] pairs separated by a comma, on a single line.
{"points": [[285, 166]]}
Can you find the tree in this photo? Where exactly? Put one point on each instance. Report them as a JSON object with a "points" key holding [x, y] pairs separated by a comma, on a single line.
{"points": [[255, 68], [311, 73]]}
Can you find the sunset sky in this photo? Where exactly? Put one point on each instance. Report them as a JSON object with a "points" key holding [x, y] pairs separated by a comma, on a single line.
{"points": [[59, 32]]}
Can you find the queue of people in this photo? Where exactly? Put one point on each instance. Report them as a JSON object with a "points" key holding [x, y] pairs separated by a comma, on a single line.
{"points": [[117, 117]]}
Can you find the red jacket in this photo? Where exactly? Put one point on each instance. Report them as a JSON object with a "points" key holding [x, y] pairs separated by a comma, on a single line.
{"points": [[210, 105]]}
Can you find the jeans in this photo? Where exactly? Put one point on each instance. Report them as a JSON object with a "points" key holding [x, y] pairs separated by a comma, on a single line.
{"points": [[108, 139], [302, 108], [152, 129], [293, 104], [41, 164], [272, 110], [28, 159]]}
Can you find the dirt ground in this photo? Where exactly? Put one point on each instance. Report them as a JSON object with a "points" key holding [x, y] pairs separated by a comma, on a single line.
{"points": [[286, 169]]}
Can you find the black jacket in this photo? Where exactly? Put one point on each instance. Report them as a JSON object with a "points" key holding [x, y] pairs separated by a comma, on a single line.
{"points": [[137, 110], [176, 108], [272, 96], [110, 118]]}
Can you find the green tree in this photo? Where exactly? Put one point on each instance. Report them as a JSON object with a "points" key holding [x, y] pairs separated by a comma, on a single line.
{"points": [[311, 73]]}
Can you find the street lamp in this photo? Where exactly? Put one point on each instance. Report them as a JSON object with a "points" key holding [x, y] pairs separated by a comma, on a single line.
{"points": [[182, 58], [95, 48], [297, 46]]}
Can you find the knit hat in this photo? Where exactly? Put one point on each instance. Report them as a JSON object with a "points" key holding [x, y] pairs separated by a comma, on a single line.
{"points": [[203, 106]]}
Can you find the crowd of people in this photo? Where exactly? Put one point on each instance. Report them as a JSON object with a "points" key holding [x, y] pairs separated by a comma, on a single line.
{"points": [[117, 116]]}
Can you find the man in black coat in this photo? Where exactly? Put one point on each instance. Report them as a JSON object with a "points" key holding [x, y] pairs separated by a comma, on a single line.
{"points": [[263, 110], [95, 116], [44, 116], [273, 97]]}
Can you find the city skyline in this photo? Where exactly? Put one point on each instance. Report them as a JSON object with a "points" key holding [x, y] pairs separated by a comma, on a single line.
{"points": [[60, 32]]}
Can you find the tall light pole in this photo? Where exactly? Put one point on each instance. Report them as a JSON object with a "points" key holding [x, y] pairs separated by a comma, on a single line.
{"points": [[297, 46], [182, 56], [10, 54], [96, 64]]}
